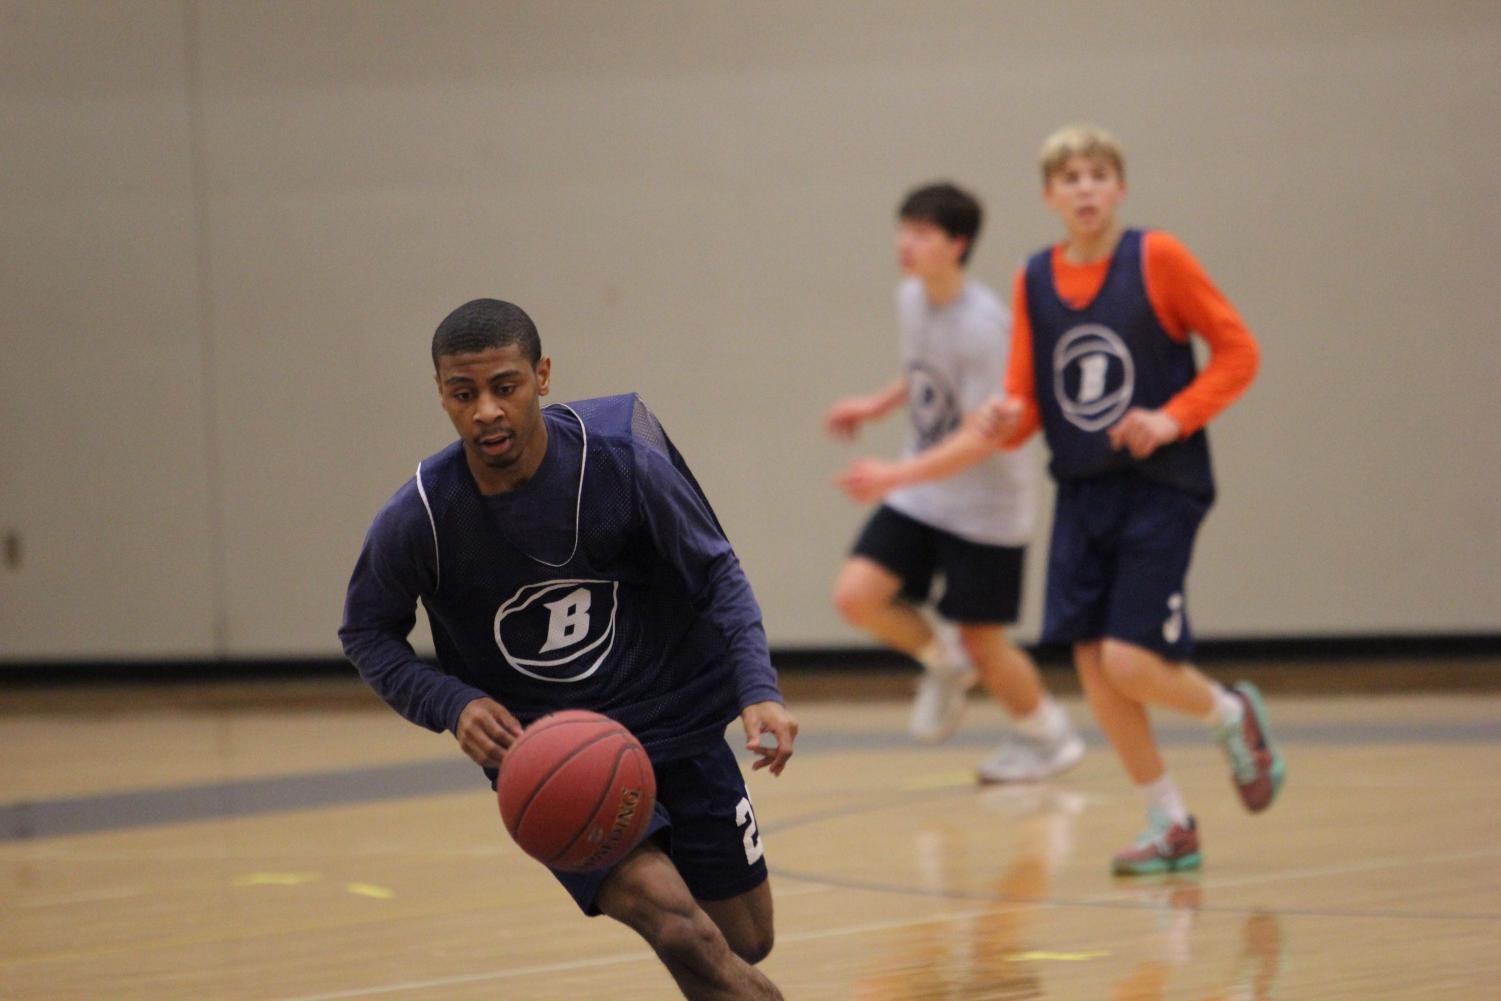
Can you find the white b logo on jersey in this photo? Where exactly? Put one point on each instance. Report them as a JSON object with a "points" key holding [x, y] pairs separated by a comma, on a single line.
{"points": [[1094, 376], [569, 621], [576, 627]]}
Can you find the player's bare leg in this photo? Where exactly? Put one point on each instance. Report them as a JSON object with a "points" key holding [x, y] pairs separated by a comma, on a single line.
{"points": [[647, 894], [866, 594], [746, 922], [1150, 679], [1122, 718], [1044, 743], [1006, 671], [1236, 714], [1171, 840]]}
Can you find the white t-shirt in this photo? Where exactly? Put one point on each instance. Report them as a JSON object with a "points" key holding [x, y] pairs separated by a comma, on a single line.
{"points": [[954, 356]]}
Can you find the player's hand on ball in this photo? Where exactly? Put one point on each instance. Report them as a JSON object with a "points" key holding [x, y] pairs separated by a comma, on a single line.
{"points": [[773, 718], [486, 731], [1142, 432], [868, 480]]}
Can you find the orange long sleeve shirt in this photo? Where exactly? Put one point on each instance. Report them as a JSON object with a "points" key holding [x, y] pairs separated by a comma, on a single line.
{"points": [[1185, 301]]}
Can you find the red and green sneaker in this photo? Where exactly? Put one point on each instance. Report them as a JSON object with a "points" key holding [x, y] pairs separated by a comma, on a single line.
{"points": [[1256, 766], [1163, 847]]}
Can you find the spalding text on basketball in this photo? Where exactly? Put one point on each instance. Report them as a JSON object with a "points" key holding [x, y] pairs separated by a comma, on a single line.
{"points": [[623, 816]]}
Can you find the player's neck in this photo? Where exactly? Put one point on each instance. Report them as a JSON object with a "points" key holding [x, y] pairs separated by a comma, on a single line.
{"points": [[942, 289], [1092, 247]]}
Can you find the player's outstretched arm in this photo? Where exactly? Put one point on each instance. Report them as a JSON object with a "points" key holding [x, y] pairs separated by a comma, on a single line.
{"points": [[981, 433], [773, 718], [486, 731], [845, 417]]}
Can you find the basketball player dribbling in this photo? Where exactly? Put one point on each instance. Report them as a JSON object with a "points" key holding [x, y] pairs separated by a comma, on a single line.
{"points": [[567, 559]]}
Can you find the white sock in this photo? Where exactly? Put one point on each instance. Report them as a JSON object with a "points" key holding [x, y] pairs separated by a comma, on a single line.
{"points": [[1226, 709], [947, 633], [937, 656], [1047, 722], [1163, 796]]}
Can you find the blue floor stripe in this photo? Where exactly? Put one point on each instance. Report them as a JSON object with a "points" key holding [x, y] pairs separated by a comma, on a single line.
{"points": [[22, 820], [218, 800]]}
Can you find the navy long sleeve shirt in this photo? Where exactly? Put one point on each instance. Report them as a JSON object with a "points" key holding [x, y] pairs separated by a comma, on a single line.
{"points": [[604, 582]]}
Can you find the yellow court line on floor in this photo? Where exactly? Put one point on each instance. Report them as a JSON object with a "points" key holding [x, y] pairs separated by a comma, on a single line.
{"points": [[276, 878], [370, 890]]}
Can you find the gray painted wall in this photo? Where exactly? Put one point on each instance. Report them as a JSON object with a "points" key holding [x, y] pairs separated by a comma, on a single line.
{"points": [[229, 230]]}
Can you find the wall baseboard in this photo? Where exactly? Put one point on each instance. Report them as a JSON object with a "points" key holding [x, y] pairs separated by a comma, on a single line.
{"points": [[1403, 646], [1267, 651]]}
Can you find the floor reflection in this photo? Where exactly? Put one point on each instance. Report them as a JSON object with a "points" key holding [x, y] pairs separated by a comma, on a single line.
{"points": [[1252, 972], [993, 957], [977, 957]]}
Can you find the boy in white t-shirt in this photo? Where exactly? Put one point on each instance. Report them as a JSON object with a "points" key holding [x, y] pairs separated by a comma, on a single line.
{"points": [[973, 527]]}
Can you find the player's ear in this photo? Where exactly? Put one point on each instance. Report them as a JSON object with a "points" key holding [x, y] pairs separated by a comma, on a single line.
{"points": [[544, 372]]}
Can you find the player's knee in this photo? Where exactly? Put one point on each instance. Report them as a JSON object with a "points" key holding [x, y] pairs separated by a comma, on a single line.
{"points": [[755, 944], [1127, 672], [681, 937], [649, 908], [855, 603]]}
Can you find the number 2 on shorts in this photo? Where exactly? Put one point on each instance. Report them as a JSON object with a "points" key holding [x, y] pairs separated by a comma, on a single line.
{"points": [[746, 817]]}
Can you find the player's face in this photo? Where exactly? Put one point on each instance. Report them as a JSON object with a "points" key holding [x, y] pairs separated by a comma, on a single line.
{"points": [[924, 250], [1085, 193], [494, 399]]}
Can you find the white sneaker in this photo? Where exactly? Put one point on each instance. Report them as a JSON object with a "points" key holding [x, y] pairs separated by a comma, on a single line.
{"points": [[1022, 759], [939, 703]]}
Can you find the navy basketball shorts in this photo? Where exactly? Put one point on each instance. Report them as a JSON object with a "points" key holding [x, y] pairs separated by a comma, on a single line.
{"points": [[982, 584], [1118, 562], [705, 822]]}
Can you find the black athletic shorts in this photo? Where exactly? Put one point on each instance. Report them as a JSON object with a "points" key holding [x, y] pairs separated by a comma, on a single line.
{"points": [[1118, 563], [708, 828], [982, 584]]}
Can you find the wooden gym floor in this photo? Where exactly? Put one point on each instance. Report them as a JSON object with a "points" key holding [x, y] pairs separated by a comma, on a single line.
{"points": [[299, 842]]}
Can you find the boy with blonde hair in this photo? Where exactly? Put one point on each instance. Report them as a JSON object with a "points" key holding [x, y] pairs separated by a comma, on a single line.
{"points": [[1101, 361]]}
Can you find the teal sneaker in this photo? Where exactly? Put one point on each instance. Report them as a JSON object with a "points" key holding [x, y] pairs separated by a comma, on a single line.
{"points": [[1164, 847], [1256, 766]]}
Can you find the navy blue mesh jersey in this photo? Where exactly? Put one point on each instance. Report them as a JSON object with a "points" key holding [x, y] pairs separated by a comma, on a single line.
{"points": [[1091, 365], [605, 582]]}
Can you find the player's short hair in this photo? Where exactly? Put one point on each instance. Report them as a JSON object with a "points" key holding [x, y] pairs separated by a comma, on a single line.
{"points": [[481, 324], [1089, 141], [950, 208]]}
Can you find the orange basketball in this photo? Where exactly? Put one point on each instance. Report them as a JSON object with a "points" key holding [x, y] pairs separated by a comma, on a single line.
{"points": [[576, 791]]}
